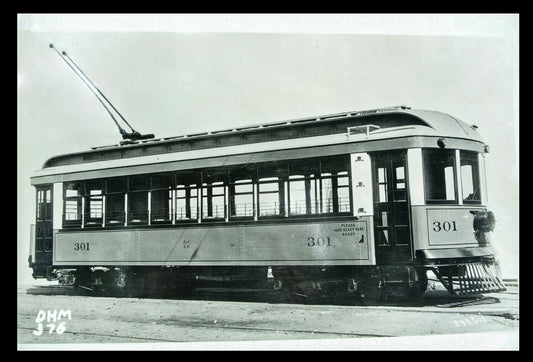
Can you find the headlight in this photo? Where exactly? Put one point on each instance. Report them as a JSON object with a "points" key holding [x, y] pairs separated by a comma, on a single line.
{"points": [[484, 221]]}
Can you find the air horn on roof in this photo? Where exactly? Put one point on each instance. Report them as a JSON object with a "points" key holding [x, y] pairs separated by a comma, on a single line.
{"points": [[132, 136]]}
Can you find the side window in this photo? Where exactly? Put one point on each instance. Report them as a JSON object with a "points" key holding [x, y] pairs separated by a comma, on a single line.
{"points": [[93, 200], [304, 188], [335, 186], [271, 189], [187, 185], [138, 187], [319, 187], [241, 192], [72, 210], [115, 196], [214, 195], [470, 177], [161, 199]]}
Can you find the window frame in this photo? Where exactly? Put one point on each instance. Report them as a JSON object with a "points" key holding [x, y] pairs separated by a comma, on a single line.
{"points": [[427, 172], [315, 172], [475, 177], [105, 200], [44, 233], [88, 220], [272, 173], [280, 192], [207, 198], [79, 199], [110, 194], [168, 192], [133, 192], [190, 181], [245, 175]]}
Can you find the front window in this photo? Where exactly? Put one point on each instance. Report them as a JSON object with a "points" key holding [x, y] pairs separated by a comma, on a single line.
{"points": [[470, 177], [439, 176]]}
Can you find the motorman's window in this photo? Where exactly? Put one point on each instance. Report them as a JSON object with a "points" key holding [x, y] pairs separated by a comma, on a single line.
{"points": [[161, 199], [138, 187], [241, 192], [115, 197], [187, 185], [470, 177], [72, 211], [93, 200], [439, 176], [214, 195]]}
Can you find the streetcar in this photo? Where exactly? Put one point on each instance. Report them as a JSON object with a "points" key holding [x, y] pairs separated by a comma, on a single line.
{"points": [[369, 201]]}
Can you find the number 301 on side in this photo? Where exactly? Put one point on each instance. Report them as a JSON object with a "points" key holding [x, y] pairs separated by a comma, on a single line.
{"points": [[320, 241], [81, 246]]}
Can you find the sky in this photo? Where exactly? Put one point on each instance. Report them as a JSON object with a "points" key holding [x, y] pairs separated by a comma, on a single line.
{"points": [[180, 74]]}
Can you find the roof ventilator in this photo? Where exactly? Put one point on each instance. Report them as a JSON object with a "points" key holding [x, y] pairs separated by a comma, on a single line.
{"points": [[366, 129]]}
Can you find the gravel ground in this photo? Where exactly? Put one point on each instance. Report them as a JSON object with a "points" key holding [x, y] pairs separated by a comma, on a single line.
{"points": [[240, 319]]}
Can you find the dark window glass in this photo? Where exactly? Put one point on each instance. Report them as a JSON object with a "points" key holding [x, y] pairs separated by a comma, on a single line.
{"points": [[115, 212], [138, 208], [161, 206], [115, 185], [162, 182], [138, 187], [114, 209], [161, 198], [43, 225], [139, 183]]}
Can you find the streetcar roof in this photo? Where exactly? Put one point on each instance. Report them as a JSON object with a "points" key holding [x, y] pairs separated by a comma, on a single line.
{"points": [[339, 128]]}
